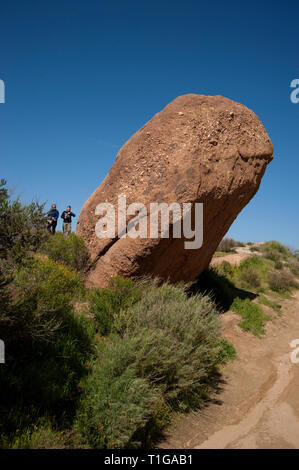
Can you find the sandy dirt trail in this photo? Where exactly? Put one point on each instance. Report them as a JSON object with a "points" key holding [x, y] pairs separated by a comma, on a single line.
{"points": [[258, 405]]}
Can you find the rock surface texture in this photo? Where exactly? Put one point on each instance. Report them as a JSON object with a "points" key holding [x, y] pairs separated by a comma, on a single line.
{"points": [[205, 149]]}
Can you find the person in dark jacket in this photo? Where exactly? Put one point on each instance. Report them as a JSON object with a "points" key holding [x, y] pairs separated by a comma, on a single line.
{"points": [[67, 220], [52, 217]]}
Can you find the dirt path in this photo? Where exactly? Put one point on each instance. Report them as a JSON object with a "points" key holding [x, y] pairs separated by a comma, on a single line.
{"points": [[258, 406]]}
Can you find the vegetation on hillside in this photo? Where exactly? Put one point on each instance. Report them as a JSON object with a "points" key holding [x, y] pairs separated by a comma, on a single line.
{"points": [[271, 271], [106, 368], [93, 368], [228, 245]]}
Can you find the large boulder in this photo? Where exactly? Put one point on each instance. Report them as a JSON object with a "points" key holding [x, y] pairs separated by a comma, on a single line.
{"points": [[205, 149]]}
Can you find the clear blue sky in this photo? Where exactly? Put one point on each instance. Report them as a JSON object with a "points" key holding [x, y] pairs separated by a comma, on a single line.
{"points": [[82, 76]]}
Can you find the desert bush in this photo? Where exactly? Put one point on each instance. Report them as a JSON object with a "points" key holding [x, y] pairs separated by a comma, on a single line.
{"points": [[40, 293], [115, 402], [278, 265], [281, 281], [273, 255], [70, 250], [159, 419], [252, 314], [40, 435], [256, 262], [227, 351], [169, 346], [275, 251], [224, 269], [43, 377], [250, 277], [43, 291], [255, 267], [228, 244], [105, 304], [293, 265], [47, 345], [52, 284], [22, 228], [277, 246], [182, 339]]}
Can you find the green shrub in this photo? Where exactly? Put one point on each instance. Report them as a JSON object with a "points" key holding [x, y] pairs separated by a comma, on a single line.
{"points": [[160, 418], [224, 269], [253, 316], [279, 247], [256, 262], [47, 345], [106, 304], [273, 255], [178, 339], [166, 356], [254, 248], [293, 265], [40, 435], [22, 228], [228, 245], [227, 351], [41, 292], [53, 284], [250, 277], [116, 403], [275, 251], [278, 265], [43, 377], [70, 250], [282, 281], [252, 271]]}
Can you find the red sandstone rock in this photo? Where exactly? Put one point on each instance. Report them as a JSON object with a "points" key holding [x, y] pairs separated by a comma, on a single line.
{"points": [[199, 148]]}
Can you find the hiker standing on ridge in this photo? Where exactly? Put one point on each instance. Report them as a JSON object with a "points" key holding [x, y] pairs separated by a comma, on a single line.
{"points": [[52, 217], [67, 220]]}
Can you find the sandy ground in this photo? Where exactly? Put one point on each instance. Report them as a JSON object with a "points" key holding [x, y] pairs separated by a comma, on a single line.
{"points": [[258, 405]]}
